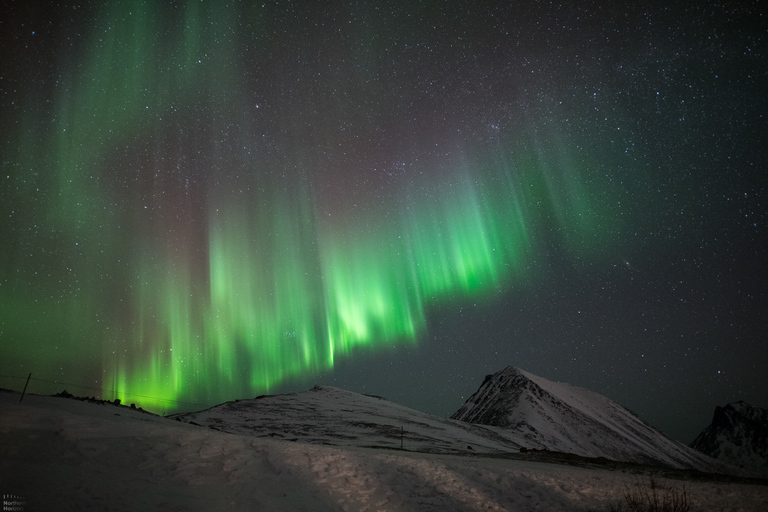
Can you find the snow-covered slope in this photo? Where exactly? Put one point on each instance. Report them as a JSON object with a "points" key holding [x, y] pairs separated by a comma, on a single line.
{"points": [[333, 416], [738, 435], [64, 454], [542, 414]]}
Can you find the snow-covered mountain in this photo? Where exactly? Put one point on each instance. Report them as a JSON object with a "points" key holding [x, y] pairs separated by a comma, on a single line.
{"points": [[541, 414], [63, 454], [512, 410], [333, 416], [738, 435]]}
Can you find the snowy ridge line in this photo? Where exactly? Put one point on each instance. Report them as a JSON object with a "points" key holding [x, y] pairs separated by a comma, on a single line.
{"points": [[58, 454], [512, 410], [604, 411], [542, 414], [343, 418]]}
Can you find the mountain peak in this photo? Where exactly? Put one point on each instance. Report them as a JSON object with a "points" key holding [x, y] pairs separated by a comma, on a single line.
{"points": [[487, 406], [743, 408], [560, 417]]}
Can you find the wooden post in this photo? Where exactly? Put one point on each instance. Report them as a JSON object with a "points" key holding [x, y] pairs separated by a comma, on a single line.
{"points": [[25, 387], [401, 435]]}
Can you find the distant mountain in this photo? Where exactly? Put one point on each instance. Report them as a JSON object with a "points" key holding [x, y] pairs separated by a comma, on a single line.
{"points": [[512, 411], [333, 416], [542, 414], [738, 435]]}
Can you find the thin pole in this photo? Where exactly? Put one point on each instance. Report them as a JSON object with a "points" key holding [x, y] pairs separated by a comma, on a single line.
{"points": [[401, 434], [25, 387]]}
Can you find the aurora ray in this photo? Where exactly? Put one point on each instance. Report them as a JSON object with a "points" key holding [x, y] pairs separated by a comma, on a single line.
{"points": [[183, 233]]}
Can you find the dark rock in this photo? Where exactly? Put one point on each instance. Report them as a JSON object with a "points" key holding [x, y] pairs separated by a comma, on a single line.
{"points": [[738, 435]]}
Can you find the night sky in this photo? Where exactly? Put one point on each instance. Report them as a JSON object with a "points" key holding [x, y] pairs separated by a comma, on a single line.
{"points": [[204, 201]]}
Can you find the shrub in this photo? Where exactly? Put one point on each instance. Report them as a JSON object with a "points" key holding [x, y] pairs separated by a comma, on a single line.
{"points": [[653, 496]]}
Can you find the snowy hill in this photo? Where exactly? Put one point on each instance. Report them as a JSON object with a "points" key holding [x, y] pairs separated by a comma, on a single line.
{"points": [[63, 454], [333, 416], [542, 414], [738, 435]]}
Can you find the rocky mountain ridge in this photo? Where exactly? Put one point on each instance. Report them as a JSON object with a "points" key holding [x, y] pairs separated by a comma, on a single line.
{"points": [[738, 435]]}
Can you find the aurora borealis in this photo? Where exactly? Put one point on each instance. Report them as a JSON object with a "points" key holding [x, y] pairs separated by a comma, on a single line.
{"points": [[205, 201]]}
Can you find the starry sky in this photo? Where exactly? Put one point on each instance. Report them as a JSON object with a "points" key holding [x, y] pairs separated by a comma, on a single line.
{"points": [[204, 201]]}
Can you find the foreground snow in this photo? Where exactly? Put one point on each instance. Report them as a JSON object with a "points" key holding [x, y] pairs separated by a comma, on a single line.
{"points": [[63, 454]]}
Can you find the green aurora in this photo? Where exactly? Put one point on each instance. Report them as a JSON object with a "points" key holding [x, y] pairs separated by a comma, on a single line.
{"points": [[163, 253]]}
